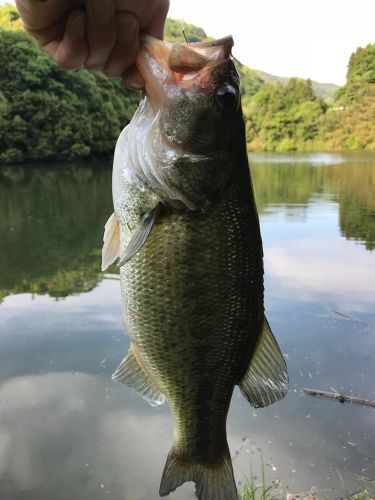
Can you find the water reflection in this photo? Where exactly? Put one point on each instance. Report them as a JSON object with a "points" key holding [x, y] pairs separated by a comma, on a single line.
{"points": [[51, 222], [351, 183], [66, 431]]}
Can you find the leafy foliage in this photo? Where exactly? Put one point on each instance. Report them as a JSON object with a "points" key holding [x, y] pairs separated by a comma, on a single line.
{"points": [[47, 113], [52, 224], [9, 17], [360, 75], [283, 117], [350, 123], [250, 80], [175, 29]]}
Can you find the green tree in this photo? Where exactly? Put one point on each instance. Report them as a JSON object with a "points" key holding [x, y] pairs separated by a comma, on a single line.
{"points": [[283, 117], [350, 124], [9, 17], [175, 29], [47, 113]]}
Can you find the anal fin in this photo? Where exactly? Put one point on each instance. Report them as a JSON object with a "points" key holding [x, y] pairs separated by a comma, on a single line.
{"points": [[266, 380], [131, 373]]}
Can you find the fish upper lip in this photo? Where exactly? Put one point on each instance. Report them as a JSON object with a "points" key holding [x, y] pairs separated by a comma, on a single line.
{"points": [[211, 50], [226, 40]]}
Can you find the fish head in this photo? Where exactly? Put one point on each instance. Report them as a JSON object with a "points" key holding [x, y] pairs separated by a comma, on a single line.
{"points": [[195, 88], [187, 135]]}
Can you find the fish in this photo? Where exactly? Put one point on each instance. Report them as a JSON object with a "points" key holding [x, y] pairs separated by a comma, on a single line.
{"points": [[185, 233]]}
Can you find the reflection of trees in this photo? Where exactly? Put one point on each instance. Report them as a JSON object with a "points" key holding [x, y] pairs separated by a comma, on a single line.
{"points": [[351, 183], [357, 203], [51, 222], [284, 183]]}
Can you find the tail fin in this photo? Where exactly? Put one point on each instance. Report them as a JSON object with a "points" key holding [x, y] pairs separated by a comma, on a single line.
{"points": [[212, 481]]}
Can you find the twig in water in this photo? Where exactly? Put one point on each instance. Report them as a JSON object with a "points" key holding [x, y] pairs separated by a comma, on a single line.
{"points": [[340, 397], [342, 315]]}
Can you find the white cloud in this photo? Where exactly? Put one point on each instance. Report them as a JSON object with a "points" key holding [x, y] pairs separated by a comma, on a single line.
{"points": [[321, 267], [292, 37]]}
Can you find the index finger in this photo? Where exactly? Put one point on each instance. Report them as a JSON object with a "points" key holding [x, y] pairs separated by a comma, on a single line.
{"points": [[150, 14], [156, 25]]}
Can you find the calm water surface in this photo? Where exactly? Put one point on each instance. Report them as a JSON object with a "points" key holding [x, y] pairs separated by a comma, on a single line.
{"points": [[68, 432]]}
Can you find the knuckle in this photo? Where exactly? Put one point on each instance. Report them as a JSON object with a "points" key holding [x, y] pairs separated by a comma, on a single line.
{"points": [[69, 59], [117, 64], [112, 72], [127, 37], [66, 63], [127, 21]]}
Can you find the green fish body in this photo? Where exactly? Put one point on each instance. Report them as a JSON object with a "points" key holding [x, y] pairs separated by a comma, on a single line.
{"points": [[186, 231]]}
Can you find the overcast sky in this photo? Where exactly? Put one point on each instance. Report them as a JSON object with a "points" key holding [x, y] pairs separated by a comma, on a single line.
{"points": [[309, 39], [287, 37]]}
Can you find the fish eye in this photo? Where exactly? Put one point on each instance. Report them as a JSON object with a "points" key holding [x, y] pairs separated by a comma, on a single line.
{"points": [[227, 96]]}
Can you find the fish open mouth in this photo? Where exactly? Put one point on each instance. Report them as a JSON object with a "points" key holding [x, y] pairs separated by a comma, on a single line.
{"points": [[166, 66], [187, 56]]}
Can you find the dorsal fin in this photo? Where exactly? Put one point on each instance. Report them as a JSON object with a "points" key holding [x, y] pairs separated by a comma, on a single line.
{"points": [[266, 379]]}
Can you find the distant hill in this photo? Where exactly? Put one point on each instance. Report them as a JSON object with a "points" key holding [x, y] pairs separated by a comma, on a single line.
{"points": [[325, 91]]}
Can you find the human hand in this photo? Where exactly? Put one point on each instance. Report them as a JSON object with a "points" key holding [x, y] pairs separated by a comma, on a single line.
{"points": [[97, 34]]}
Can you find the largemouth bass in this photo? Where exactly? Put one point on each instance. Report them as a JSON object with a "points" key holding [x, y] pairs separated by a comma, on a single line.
{"points": [[186, 232]]}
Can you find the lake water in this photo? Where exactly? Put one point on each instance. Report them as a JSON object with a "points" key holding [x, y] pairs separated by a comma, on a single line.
{"points": [[68, 432]]}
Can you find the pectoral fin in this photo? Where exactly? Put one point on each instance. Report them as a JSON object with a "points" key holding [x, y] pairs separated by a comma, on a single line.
{"points": [[111, 239], [266, 379], [140, 235], [131, 372]]}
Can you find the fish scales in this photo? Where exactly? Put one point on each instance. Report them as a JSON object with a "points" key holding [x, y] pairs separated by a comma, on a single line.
{"points": [[186, 232], [193, 309]]}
